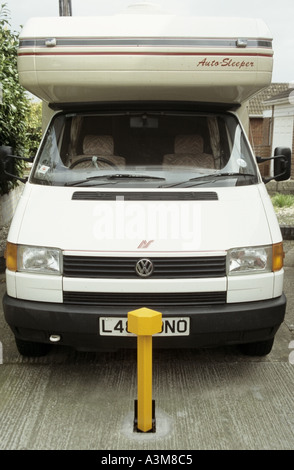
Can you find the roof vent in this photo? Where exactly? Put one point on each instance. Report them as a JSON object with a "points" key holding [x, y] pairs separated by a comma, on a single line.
{"points": [[241, 42]]}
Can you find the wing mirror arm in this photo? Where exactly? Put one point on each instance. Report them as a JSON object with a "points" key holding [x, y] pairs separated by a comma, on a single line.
{"points": [[7, 165], [19, 178], [282, 164]]}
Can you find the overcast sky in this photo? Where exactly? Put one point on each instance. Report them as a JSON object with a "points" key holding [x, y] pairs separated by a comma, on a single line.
{"points": [[278, 14]]}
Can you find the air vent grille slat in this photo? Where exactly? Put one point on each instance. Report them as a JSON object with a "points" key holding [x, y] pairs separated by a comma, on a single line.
{"points": [[138, 300], [145, 196], [125, 267]]}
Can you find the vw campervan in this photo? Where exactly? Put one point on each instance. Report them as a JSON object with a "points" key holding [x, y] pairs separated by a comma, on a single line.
{"points": [[145, 191]]}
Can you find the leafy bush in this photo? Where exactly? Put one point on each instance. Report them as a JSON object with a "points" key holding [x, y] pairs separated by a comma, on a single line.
{"points": [[282, 200], [15, 107], [34, 127]]}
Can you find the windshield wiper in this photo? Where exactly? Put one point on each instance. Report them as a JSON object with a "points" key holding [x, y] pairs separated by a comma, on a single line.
{"points": [[135, 176], [207, 176], [115, 176], [85, 180], [217, 175]]}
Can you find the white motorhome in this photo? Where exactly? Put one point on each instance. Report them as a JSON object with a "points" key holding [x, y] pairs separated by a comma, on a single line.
{"points": [[145, 191]]}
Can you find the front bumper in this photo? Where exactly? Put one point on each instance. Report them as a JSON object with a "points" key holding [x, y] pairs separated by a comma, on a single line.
{"points": [[78, 325]]}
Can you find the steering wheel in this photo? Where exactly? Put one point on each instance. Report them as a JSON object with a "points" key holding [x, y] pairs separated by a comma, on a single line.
{"points": [[97, 159]]}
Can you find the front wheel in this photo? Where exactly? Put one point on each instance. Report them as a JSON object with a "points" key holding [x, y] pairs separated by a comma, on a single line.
{"points": [[32, 349], [260, 348]]}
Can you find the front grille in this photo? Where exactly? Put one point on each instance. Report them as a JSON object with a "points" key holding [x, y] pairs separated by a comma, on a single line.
{"points": [[137, 300], [125, 267]]}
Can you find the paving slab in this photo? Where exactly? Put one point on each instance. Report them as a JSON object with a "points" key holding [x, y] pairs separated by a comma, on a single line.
{"points": [[199, 406]]}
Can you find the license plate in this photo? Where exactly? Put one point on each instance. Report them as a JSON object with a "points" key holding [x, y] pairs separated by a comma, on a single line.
{"points": [[118, 326]]}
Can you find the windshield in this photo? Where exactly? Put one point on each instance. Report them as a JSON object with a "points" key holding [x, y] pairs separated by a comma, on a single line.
{"points": [[144, 149]]}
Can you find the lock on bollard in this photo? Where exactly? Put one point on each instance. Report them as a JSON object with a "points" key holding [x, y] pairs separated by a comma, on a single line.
{"points": [[144, 323]]}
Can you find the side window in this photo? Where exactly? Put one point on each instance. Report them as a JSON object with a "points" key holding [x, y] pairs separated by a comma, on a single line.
{"points": [[49, 156]]}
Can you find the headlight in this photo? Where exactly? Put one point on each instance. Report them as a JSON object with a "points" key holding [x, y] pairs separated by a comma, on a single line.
{"points": [[255, 259], [33, 259], [39, 260]]}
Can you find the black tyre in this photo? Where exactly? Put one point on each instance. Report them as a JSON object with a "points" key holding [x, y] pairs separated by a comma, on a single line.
{"points": [[32, 349], [260, 348]]}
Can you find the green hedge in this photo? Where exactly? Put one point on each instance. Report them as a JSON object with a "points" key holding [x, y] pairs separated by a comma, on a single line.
{"points": [[16, 107]]}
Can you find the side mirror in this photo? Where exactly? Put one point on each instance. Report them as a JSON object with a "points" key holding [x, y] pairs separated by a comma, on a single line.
{"points": [[7, 164], [282, 163]]}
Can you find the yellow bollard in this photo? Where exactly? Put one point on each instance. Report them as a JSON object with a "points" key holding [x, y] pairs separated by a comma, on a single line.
{"points": [[144, 323]]}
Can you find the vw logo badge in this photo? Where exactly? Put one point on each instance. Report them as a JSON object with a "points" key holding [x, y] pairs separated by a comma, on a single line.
{"points": [[144, 267]]}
